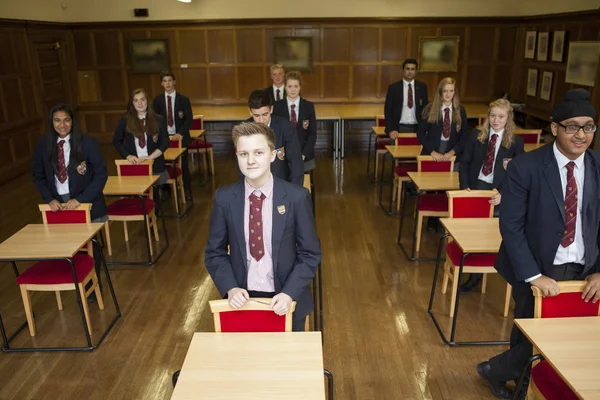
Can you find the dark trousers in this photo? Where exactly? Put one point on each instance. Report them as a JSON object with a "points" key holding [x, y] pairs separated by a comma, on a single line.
{"points": [[297, 323], [185, 170], [508, 365]]}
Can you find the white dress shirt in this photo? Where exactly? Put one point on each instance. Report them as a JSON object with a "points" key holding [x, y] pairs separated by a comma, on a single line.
{"points": [[297, 110], [490, 178], [409, 115], [444, 116], [63, 188], [141, 152], [171, 129]]}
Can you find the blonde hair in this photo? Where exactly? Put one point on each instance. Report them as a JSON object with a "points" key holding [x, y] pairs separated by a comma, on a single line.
{"points": [[295, 76], [277, 66], [253, 128], [433, 111], [509, 129]]}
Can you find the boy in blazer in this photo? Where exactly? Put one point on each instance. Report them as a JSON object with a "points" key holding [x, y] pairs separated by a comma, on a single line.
{"points": [[269, 228], [277, 90], [549, 221], [176, 109], [404, 102], [288, 164]]}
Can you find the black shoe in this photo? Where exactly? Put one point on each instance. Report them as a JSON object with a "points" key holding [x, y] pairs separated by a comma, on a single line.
{"points": [[471, 283], [498, 388]]}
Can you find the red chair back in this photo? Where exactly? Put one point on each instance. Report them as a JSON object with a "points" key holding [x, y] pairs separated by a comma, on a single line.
{"points": [[254, 316], [470, 207], [529, 135], [174, 144], [407, 139], [380, 120], [435, 166], [567, 304], [126, 169], [81, 215], [198, 122]]}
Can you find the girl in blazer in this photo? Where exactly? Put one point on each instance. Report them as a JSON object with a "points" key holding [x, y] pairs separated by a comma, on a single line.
{"points": [[301, 113], [68, 167], [142, 135], [444, 123], [495, 140]]}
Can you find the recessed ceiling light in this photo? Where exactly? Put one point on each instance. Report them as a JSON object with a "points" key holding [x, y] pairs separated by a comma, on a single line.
{"points": [[185, 1]]}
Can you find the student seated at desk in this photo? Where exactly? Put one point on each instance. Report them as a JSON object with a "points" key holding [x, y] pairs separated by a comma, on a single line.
{"points": [[486, 154], [301, 114], [142, 135], [269, 226]]}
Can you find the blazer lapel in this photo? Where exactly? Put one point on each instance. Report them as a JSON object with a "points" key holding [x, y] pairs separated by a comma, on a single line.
{"points": [[553, 178], [281, 210], [287, 110], [590, 184], [237, 206]]}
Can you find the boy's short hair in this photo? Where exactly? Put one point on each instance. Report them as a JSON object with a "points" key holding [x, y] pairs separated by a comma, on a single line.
{"points": [[167, 73], [410, 61], [259, 99], [276, 66], [253, 128]]}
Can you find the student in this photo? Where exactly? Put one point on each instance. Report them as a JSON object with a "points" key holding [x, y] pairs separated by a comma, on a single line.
{"points": [[288, 165], [277, 89], [404, 102], [68, 168], [549, 219], [486, 154], [301, 113], [176, 109], [444, 124], [142, 135], [263, 206]]}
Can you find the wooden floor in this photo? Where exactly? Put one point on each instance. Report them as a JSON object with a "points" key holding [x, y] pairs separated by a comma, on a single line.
{"points": [[379, 341]]}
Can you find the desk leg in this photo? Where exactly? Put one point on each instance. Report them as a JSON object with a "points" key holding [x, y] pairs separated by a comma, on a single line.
{"points": [[369, 155], [3, 332], [381, 183], [342, 136], [146, 233], [80, 304], [335, 138]]}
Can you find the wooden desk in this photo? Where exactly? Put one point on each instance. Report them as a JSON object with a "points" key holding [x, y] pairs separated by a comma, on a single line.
{"points": [[401, 152], [379, 131], [307, 184], [225, 366], [571, 346], [196, 133], [172, 154], [533, 146]]}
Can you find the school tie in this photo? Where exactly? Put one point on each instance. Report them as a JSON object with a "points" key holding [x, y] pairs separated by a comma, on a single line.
{"points": [[143, 137], [293, 118], [170, 111], [278, 95], [410, 96], [62, 168], [488, 161], [257, 248], [446, 131], [570, 207]]}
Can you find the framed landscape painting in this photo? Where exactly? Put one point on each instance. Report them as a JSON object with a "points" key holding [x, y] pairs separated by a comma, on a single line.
{"points": [[438, 53], [149, 55], [582, 65], [293, 52]]}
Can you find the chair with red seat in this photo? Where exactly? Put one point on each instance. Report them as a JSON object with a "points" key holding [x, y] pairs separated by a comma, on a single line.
{"points": [[545, 382], [431, 204], [175, 172], [380, 143], [254, 316], [56, 275], [130, 209], [402, 169], [202, 146], [469, 204], [529, 135]]}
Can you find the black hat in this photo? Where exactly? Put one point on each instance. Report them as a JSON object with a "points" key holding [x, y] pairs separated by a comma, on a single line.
{"points": [[576, 103]]}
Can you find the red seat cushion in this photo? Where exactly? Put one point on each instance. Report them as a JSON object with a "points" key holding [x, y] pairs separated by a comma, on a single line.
{"points": [[52, 272], [550, 384], [174, 144], [251, 321], [199, 144], [455, 254], [433, 202], [402, 170], [130, 206], [172, 172]]}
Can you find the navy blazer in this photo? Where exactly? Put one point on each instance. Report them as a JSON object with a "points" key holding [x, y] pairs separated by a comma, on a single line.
{"points": [[125, 144], [86, 183], [473, 155], [273, 95], [288, 164], [394, 100], [182, 118], [430, 135], [306, 124], [295, 245], [532, 215]]}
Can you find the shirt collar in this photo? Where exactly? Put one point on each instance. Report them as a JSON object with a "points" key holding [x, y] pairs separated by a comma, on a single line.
{"points": [[142, 117], [280, 88], [562, 160], [500, 133], [172, 94], [296, 102], [66, 139], [266, 189], [445, 106]]}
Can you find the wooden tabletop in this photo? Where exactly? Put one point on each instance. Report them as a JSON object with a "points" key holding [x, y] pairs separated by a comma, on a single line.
{"points": [[571, 346], [430, 181], [474, 235], [533, 146], [307, 181], [252, 366], [173, 153], [196, 133], [379, 130], [48, 241], [404, 151], [128, 185]]}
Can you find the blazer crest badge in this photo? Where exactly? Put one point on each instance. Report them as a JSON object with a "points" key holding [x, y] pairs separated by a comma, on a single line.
{"points": [[82, 168], [281, 153]]}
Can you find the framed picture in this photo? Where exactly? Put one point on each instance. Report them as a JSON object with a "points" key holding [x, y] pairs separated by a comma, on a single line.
{"points": [[293, 52], [530, 37], [558, 46], [542, 49], [438, 53], [149, 55], [546, 89], [532, 78], [582, 65]]}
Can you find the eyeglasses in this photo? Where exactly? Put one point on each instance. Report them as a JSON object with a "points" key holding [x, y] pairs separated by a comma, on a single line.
{"points": [[572, 129]]}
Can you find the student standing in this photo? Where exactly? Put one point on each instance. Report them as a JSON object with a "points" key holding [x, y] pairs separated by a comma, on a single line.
{"points": [[268, 227], [277, 89]]}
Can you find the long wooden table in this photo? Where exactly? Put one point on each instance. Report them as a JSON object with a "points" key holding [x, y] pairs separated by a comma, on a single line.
{"points": [[38, 242], [473, 236], [225, 366], [571, 346]]}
